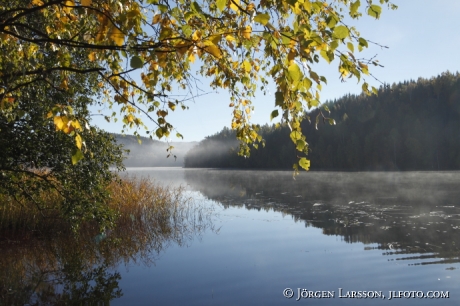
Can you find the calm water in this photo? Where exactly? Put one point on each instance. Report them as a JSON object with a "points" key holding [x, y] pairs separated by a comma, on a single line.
{"points": [[266, 232]]}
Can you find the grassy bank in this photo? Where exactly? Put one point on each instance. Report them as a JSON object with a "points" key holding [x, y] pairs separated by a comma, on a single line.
{"points": [[136, 203], [44, 263]]}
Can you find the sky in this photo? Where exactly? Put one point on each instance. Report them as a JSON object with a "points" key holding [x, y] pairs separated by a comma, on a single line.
{"points": [[423, 39]]}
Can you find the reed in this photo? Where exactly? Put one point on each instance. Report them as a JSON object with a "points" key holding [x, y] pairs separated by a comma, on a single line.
{"points": [[138, 203], [51, 270]]}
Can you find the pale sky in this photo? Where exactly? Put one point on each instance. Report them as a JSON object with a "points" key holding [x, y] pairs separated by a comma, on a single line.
{"points": [[423, 37]]}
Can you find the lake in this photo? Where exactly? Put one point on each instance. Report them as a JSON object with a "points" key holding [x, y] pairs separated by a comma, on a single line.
{"points": [[321, 238]]}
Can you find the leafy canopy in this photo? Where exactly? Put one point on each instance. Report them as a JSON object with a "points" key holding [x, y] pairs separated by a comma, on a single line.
{"points": [[35, 167], [142, 51]]}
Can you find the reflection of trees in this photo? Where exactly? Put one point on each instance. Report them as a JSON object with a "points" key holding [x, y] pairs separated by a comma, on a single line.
{"points": [[404, 213], [70, 270]]}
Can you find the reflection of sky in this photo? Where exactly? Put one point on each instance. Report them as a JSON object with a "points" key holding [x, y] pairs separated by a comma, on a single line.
{"points": [[255, 254], [421, 36]]}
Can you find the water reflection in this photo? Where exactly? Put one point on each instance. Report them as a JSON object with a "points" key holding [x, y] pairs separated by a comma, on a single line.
{"points": [[69, 270], [411, 216]]}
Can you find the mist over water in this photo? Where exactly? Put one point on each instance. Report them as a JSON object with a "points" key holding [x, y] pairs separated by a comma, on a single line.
{"points": [[153, 153], [257, 233], [320, 231], [404, 213]]}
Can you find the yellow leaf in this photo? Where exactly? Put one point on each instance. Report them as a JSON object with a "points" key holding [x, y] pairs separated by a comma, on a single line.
{"points": [[162, 59], [307, 6], [117, 36], [364, 68], [182, 47], [60, 122], [291, 55], [76, 125], [247, 32], [153, 66], [247, 66], [86, 2], [92, 56], [37, 2], [191, 57], [343, 72], [297, 9], [230, 38], [215, 39], [233, 6], [78, 141], [156, 19], [68, 3], [196, 35], [64, 84], [304, 163], [214, 50]]}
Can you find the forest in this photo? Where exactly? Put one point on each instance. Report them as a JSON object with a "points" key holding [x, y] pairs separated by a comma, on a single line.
{"points": [[412, 125]]}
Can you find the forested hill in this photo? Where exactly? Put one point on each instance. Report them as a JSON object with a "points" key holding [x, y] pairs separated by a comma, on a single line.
{"points": [[152, 153], [414, 125]]}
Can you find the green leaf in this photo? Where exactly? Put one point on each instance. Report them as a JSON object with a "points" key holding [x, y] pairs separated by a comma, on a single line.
{"points": [[354, 7], [305, 84], [327, 55], [340, 32], [262, 18], [301, 144], [350, 47], [375, 91], [363, 42], [304, 163], [136, 62], [295, 135], [159, 132], [334, 44], [163, 8], [221, 4], [196, 7], [374, 11], [331, 21], [77, 156], [274, 114], [294, 72], [279, 98], [313, 103]]}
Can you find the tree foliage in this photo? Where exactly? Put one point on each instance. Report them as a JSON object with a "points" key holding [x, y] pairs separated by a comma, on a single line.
{"points": [[38, 166], [143, 51]]}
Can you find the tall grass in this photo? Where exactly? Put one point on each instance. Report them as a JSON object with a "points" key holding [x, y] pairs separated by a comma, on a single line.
{"points": [[139, 204], [37, 271]]}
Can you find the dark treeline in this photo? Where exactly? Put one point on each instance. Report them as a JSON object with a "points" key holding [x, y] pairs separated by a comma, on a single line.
{"points": [[412, 125]]}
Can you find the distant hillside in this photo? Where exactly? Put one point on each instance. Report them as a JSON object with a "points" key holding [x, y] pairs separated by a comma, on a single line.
{"points": [[413, 125], [152, 153]]}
